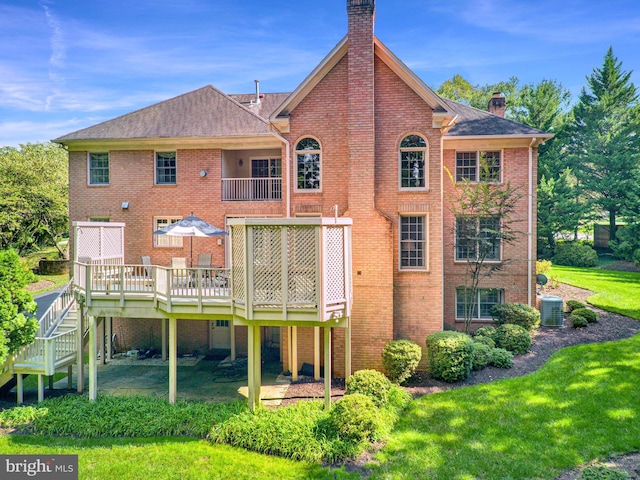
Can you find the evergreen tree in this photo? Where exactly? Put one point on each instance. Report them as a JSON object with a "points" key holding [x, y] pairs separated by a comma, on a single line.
{"points": [[604, 139]]}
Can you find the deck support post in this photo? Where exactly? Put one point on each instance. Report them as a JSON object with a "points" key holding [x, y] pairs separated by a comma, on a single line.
{"points": [[101, 335], [316, 353], [294, 354], [20, 389], [232, 339], [40, 388], [108, 334], [70, 376], [80, 359], [173, 360], [347, 350], [50, 382], [254, 374], [93, 364], [327, 367], [163, 341], [289, 360]]}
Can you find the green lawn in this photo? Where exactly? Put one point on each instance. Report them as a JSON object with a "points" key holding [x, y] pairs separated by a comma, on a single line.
{"points": [[582, 405], [613, 291]]}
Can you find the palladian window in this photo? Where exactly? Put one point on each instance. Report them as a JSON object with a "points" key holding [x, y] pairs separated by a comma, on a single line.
{"points": [[308, 164], [413, 162]]}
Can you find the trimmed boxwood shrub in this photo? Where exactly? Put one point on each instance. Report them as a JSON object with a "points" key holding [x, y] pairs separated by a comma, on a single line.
{"points": [[578, 321], [450, 355], [486, 331], [484, 340], [590, 315], [574, 305], [501, 358], [481, 355], [514, 338], [356, 418], [370, 383], [575, 254], [401, 358], [517, 314]]}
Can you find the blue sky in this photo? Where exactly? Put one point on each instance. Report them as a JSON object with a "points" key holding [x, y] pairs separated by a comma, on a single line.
{"points": [[69, 64]]}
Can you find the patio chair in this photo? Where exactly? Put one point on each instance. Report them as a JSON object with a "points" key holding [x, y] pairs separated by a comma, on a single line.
{"points": [[204, 264], [180, 274], [146, 261]]}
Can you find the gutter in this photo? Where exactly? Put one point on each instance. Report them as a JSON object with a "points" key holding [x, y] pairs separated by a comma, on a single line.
{"points": [[287, 165]]}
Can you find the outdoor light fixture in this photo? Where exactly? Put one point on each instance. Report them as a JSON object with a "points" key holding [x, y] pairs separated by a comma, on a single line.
{"points": [[203, 173], [240, 162], [125, 205]]}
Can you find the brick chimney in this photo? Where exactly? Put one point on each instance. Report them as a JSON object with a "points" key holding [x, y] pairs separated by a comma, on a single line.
{"points": [[361, 16], [497, 104]]}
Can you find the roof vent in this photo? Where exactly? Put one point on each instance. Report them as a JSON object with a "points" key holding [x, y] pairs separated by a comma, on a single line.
{"points": [[256, 101]]}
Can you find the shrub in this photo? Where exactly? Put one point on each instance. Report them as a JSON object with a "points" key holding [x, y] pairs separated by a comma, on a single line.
{"points": [[501, 358], [573, 305], [450, 355], [401, 358], [517, 314], [543, 266], [590, 315], [575, 254], [514, 338], [578, 321], [601, 472], [481, 355], [369, 383], [487, 331], [356, 418], [484, 340]]}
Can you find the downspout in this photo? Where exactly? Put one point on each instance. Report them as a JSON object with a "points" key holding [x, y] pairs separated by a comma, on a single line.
{"points": [[530, 258], [287, 166]]}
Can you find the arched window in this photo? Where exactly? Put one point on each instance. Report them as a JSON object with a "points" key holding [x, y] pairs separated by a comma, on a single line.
{"points": [[308, 164], [413, 162]]}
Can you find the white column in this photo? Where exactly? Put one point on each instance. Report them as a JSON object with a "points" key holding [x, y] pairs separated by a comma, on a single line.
{"points": [[173, 360], [40, 388], [20, 388], [101, 334], [347, 350], [316, 353], [109, 334], [80, 359], [93, 364], [232, 332], [327, 367], [163, 341]]}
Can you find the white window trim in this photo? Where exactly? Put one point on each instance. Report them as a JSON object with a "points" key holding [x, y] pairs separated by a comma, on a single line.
{"points": [[426, 163], [155, 168], [295, 165], [177, 240], [465, 260], [478, 318], [89, 170], [425, 268], [478, 152], [263, 157]]}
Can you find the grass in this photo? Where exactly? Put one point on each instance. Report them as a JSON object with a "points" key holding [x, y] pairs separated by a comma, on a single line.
{"points": [[614, 291], [582, 405]]}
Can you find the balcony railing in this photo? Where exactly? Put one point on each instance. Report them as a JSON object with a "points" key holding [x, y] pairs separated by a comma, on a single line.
{"points": [[251, 189]]}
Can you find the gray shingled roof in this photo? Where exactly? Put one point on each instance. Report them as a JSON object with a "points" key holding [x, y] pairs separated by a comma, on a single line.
{"points": [[206, 112], [268, 102], [474, 122]]}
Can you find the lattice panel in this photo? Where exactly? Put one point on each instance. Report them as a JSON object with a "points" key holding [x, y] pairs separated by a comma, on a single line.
{"points": [[89, 246], [267, 265], [238, 262], [302, 266], [112, 242], [334, 264]]}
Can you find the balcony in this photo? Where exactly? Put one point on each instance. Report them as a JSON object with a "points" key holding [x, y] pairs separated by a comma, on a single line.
{"points": [[251, 189]]}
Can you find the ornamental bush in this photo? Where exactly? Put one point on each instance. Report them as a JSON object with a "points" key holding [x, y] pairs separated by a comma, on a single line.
{"points": [[481, 355], [590, 315], [575, 254], [369, 383], [574, 305], [517, 314], [486, 331], [501, 358], [484, 340], [514, 338], [401, 358], [578, 321], [356, 418], [600, 472], [450, 355]]}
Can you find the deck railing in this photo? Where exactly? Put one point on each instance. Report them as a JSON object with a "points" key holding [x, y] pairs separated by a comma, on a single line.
{"points": [[251, 189], [56, 311]]}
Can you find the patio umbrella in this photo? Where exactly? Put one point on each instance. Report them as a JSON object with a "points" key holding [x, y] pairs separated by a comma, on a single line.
{"points": [[191, 226]]}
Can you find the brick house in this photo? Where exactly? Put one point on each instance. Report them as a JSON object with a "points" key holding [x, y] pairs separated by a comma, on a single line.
{"points": [[361, 137]]}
